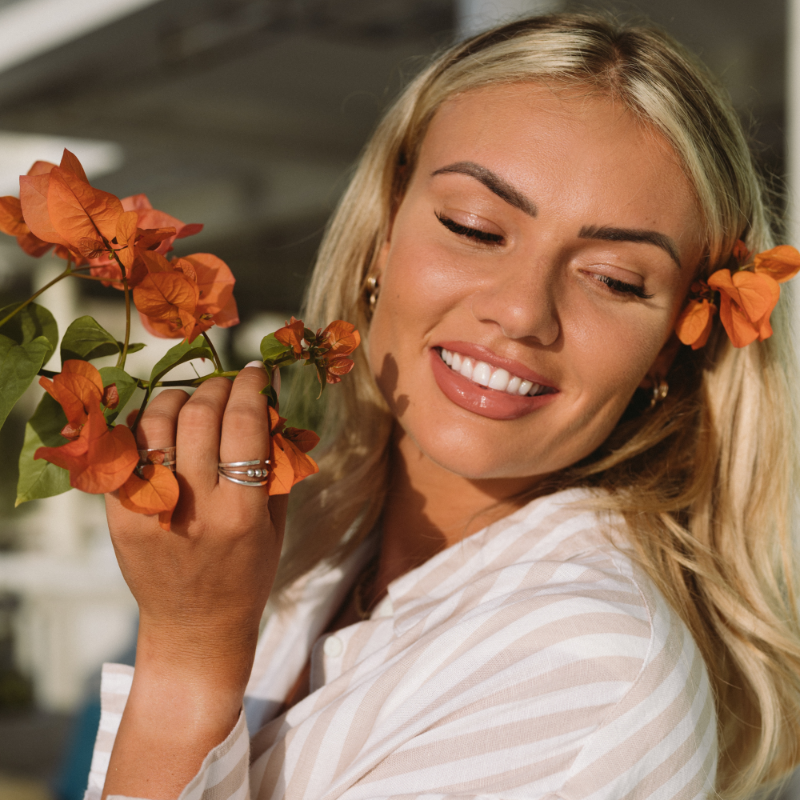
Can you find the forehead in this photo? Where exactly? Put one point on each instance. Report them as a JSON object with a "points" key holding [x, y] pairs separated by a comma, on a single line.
{"points": [[566, 146]]}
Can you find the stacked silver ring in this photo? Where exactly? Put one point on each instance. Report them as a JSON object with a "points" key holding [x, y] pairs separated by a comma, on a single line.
{"points": [[157, 456], [245, 473]]}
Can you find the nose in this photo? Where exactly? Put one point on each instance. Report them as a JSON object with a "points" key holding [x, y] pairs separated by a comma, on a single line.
{"points": [[521, 303]]}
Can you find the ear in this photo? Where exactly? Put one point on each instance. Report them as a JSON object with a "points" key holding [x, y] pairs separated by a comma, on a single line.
{"points": [[661, 366]]}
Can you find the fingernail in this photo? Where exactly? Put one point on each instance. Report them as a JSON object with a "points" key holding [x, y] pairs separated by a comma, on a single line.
{"points": [[276, 380], [255, 364]]}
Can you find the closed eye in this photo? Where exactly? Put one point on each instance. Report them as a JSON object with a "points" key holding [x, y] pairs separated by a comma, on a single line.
{"points": [[470, 233], [623, 288]]}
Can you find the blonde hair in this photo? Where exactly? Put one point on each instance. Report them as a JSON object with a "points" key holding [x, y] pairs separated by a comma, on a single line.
{"points": [[705, 481]]}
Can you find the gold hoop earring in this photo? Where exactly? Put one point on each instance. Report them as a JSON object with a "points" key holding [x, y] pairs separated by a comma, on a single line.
{"points": [[660, 391], [372, 290]]}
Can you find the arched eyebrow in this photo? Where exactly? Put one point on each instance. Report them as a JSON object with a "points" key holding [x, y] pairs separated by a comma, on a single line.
{"points": [[636, 235], [493, 182]]}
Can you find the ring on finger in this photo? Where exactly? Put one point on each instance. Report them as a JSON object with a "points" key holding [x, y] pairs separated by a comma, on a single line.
{"points": [[157, 456], [245, 473]]}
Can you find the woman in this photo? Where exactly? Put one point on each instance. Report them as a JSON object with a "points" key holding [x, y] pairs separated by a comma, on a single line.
{"points": [[548, 553]]}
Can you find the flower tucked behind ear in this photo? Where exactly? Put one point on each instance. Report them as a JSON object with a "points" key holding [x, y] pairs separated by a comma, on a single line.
{"points": [[746, 296], [694, 323]]}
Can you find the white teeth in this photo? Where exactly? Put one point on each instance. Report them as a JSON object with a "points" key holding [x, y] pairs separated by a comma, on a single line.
{"points": [[481, 373], [499, 380]]}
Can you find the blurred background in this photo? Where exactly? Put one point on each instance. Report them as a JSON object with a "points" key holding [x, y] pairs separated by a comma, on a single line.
{"points": [[247, 116]]}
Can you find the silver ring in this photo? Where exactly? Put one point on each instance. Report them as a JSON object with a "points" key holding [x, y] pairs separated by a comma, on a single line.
{"points": [[163, 456], [245, 473]]}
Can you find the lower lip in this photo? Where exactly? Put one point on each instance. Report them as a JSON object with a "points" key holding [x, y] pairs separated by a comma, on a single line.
{"points": [[486, 402]]}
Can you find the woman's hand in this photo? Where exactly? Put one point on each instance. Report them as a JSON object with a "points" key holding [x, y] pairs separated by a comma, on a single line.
{"points": [[201, 588]]}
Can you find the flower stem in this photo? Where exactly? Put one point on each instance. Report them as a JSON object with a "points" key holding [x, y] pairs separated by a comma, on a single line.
{"points": [[217, 362], [65, 274], [124, 354]]}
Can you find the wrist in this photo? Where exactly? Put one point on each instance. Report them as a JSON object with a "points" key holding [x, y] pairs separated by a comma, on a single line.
{"points": [[197, 660]]}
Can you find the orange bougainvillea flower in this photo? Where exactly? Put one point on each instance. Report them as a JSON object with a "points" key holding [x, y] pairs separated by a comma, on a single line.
{"points": [[183, 297], [340, 339], [151, 489], [146, 229], [100, 460], [289, 463], [291, 334], [694, 324], [77, 388], [60, 206], [165, 296], [746, 302]]}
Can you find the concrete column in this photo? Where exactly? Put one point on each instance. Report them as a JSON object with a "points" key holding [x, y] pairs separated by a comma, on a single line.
{"points": [[474, 16]]}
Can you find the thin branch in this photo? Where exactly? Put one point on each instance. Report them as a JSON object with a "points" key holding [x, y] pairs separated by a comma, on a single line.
{"points": [[217, 362], [65, 274]]}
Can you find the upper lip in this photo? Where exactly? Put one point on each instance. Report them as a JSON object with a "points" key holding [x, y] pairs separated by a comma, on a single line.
{"points": [[481, 353]]}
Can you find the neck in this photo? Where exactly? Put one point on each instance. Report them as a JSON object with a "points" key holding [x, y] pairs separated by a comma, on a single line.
{"points": [[429, 508]]}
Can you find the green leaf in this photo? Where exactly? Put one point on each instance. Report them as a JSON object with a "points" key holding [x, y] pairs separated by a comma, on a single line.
{"points": [[86, 339], [41, 478], [181, 353], [29, 324], [126, 386], [271, 348], [19, 364]]}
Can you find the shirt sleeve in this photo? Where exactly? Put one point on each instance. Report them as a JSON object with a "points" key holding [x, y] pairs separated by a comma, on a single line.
{"points": [[223, 773]]}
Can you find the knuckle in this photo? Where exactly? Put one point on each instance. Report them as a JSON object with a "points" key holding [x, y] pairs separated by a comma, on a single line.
{"points": [[198, 415], [247, 417]]}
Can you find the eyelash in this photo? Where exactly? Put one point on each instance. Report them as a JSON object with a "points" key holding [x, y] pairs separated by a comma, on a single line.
{"points": [[620, 287], [470, 233], [624, 288]]}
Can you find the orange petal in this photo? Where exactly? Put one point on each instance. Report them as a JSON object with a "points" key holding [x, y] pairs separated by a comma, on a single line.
{"points": [[168, 297], [126, 237], [33, 192], [41, 168], [338, 365], [77, 388], [214, 280], [112, 456], [32, 245], [291, 334], [100, 460], [281, 473], [746, 301], [79, 211], [11, 221], [302, 439], [70, 163], [341, 337], [155, 492], [302, 465], [781, 263]]}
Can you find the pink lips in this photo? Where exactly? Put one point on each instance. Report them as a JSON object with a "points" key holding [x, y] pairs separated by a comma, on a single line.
{"points": [[481, 400]]}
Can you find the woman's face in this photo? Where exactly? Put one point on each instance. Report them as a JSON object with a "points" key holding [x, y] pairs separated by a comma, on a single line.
{"points": [[547, 240]]}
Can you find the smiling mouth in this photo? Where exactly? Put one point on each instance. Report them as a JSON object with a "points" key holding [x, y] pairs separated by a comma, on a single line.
{"points": [[496, 378]]}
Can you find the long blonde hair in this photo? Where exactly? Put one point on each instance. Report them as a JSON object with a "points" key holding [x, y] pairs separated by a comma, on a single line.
{"points": [[705, 481]]}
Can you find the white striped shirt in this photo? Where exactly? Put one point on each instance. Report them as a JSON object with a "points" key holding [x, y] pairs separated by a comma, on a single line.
{"points": [[533, 659]]}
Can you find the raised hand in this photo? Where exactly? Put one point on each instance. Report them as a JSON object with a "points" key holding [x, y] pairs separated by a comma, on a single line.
{"points": [[201, 588]]}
